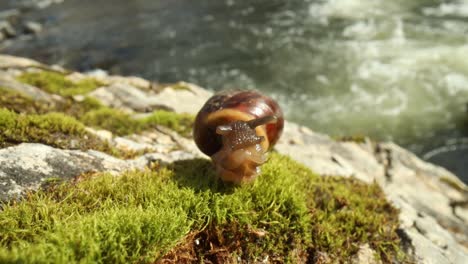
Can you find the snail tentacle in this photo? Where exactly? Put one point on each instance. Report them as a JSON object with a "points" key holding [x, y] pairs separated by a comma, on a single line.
{"points": [[262, 121]]}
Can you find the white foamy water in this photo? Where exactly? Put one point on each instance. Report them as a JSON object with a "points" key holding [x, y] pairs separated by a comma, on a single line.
{"points": [[394, 74]]}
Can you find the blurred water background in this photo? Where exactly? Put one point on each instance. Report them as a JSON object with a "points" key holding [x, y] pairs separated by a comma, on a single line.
{"points": [[394, 70]]}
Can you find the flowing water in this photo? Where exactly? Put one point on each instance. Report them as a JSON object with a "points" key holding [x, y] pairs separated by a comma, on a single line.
{"points": [[394, 70]]}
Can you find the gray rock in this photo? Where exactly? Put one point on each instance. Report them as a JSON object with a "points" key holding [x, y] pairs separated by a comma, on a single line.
{"points": [[9, 13], [123, 95], [329, 157], [430, 229], [7, 29], [40, 4], [8, 82], [28, 165], [365, 255], [32, 27], [416, 187], [182, 97], [7, 61], [126, 96]]}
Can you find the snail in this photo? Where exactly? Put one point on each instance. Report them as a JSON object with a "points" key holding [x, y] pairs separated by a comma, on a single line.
{"points": [[236, 129]]}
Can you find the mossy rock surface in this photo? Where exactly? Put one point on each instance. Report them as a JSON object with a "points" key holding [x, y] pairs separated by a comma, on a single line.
{"points": [[21, 103], [182, 213], [92, 113], [178, 213], [57, 83], [53, 129]]}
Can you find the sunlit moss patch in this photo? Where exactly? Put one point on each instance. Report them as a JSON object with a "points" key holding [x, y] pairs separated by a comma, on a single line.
{"points": [[122, 123], [57, 83], [288, 214], [21, 103], [53, 129]]}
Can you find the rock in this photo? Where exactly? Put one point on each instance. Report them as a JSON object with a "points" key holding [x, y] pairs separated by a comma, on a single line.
{"points": [[7, 61], [129, 80], [419, 189], [104, 77], [40, 4], [101, 133], [9, 13], [127, 144], [431, 230], [365, 255], [8, 82], [127, 97], [28, 165], [123, 95], [183, 97], [328, 157], [32, 27], [7, 29], [416, 187]]}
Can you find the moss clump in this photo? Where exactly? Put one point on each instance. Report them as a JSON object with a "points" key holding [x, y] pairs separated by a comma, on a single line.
{"points": [[116, 121], [348, 213], [57, 83], [288, 214], [53, 129], [181, 123], [180, 86], [352, 138], [122, 123], [92, 113], [21, 103]]}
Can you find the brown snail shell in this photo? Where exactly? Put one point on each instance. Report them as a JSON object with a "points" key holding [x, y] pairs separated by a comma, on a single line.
{"points": [[236, 129]]}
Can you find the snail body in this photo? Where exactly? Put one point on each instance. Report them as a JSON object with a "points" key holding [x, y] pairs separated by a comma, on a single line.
{"points": [[236, 129]]}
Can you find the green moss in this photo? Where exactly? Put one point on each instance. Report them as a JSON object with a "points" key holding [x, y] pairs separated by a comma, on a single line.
{"points": [[454, 184], [122, 123], [286, 213], [116, 121], [78, 108], [21, 103], [53, 129], [57, 83], [352, 138], [180, 86], [181, 123]]}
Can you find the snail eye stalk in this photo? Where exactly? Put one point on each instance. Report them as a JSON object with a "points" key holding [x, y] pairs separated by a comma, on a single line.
{"points": [[262, 121]]}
